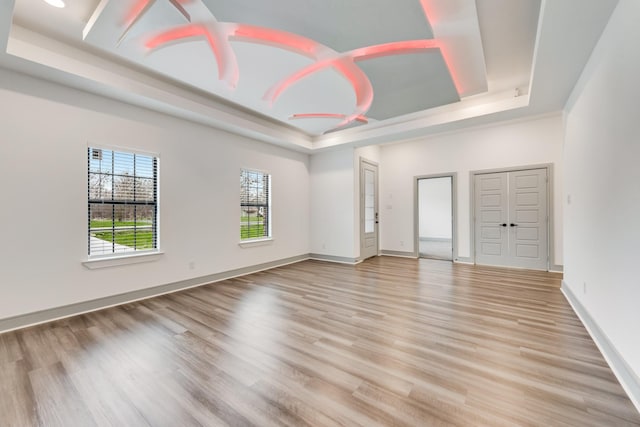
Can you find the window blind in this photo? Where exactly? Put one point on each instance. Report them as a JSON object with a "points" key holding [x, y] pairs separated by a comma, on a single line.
{"points": [[122, 202]]}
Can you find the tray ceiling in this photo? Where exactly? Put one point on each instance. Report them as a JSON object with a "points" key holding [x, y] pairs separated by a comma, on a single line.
{"points": [[311, 77], [315, 66]]}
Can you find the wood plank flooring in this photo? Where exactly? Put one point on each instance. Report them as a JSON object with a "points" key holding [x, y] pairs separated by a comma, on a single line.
{"points": [[390, 342]]}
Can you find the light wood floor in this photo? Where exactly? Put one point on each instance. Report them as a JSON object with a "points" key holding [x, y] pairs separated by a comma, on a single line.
{"points": [[388, 342]]}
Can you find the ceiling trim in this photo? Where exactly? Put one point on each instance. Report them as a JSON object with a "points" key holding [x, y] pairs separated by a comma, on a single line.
{"points": [[109, 76], [438, 120]]}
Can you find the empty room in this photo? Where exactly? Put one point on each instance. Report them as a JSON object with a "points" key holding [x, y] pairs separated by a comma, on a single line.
{"points": [[319, 213]]}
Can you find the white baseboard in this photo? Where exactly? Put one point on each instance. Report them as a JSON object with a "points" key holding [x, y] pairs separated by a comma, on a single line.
{"points": [[332, 258], [468, 260], [627, 377], [400, 254], [56, 313]]}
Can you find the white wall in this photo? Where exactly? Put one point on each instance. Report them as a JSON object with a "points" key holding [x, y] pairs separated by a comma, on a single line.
{"points": [[45, 129], [602, 179], [434, 208], [508, 144], [332, 203], [335, 201]]}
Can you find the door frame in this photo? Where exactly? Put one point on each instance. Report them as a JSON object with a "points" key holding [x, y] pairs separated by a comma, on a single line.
{"points": [[454, 212], [362, 162], [550, 209]]}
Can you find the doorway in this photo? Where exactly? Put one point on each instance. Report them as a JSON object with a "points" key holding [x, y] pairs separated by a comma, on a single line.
{"points": [[511, 218], [368, 209], [435, 217]]}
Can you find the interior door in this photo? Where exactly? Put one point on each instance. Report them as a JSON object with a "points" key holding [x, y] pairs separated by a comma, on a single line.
{"points": [[368, 209], [491, 211], [528, 236], [511, 219]]}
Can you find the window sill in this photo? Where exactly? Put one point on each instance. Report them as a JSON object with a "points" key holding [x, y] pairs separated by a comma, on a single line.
{"points": [[255, 242], [118, 260]]}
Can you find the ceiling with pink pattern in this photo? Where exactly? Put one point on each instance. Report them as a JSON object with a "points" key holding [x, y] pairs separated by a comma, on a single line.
{"points": [[307, 73], [317, 66]]}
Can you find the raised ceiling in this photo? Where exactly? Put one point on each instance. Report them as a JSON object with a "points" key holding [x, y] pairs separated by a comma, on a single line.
{"points": [[300, 72]]}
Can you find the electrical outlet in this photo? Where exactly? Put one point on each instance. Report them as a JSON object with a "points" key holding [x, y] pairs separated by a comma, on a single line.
{"points": [[324, 246], [584, 287], [192, 265], [402, 243]]}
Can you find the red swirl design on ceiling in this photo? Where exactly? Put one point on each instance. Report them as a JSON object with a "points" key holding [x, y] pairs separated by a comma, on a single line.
{"points": [[219, 34]]}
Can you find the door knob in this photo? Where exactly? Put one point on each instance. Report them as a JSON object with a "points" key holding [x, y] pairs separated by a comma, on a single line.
{"points": [[503, 225], [513, 225]]}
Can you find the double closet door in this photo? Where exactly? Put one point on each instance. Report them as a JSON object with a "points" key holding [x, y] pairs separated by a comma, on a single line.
{"points": [[511, 219]]}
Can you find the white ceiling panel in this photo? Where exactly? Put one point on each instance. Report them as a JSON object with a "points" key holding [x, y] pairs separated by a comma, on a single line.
{"points": [[508, 33]]}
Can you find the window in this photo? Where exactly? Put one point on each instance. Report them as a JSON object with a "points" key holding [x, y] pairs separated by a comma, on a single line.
{"points": [[255, 205], [123, 202]]}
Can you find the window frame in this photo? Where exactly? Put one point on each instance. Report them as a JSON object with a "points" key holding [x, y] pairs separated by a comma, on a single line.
{"points": [[268, 220], [134, 255]]}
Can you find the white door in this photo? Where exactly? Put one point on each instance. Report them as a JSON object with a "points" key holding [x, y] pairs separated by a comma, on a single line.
{"points": [[368, 209], [511, 221], [491, 211], [528, 235]]}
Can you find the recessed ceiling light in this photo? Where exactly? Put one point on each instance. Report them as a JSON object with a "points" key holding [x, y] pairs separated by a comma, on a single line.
{"points": [[55, 3]]}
